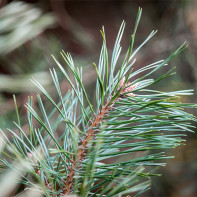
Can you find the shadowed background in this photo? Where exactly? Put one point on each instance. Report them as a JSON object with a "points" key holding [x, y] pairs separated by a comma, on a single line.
{"points": [[32, 30]]}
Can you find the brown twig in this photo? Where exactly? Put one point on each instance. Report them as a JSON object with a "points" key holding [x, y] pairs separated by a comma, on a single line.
{"points": [[91, 131], [82, 153]]}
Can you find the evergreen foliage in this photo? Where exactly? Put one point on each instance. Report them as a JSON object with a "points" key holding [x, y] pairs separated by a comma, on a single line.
{"points": [[110, 149]]}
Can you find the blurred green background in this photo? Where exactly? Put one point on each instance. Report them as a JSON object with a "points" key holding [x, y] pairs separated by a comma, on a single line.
{"points": [[32, 30]]}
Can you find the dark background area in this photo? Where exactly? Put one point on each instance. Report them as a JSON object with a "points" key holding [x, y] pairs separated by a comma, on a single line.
{"points": [[30, 31]]}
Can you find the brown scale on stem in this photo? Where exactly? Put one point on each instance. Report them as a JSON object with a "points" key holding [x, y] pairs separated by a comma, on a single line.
{"points": [[82, 152], [91, 132]]}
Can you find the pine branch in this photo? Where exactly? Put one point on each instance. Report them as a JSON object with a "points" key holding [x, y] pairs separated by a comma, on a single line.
{"points": [[129, 119], [91, 131]]}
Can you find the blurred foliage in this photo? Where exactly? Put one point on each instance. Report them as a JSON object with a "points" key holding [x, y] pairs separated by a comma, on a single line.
{"points": [[19, 23]]}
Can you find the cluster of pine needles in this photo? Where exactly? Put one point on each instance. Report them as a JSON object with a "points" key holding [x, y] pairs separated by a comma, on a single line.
{"points": [[107, 149]]}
